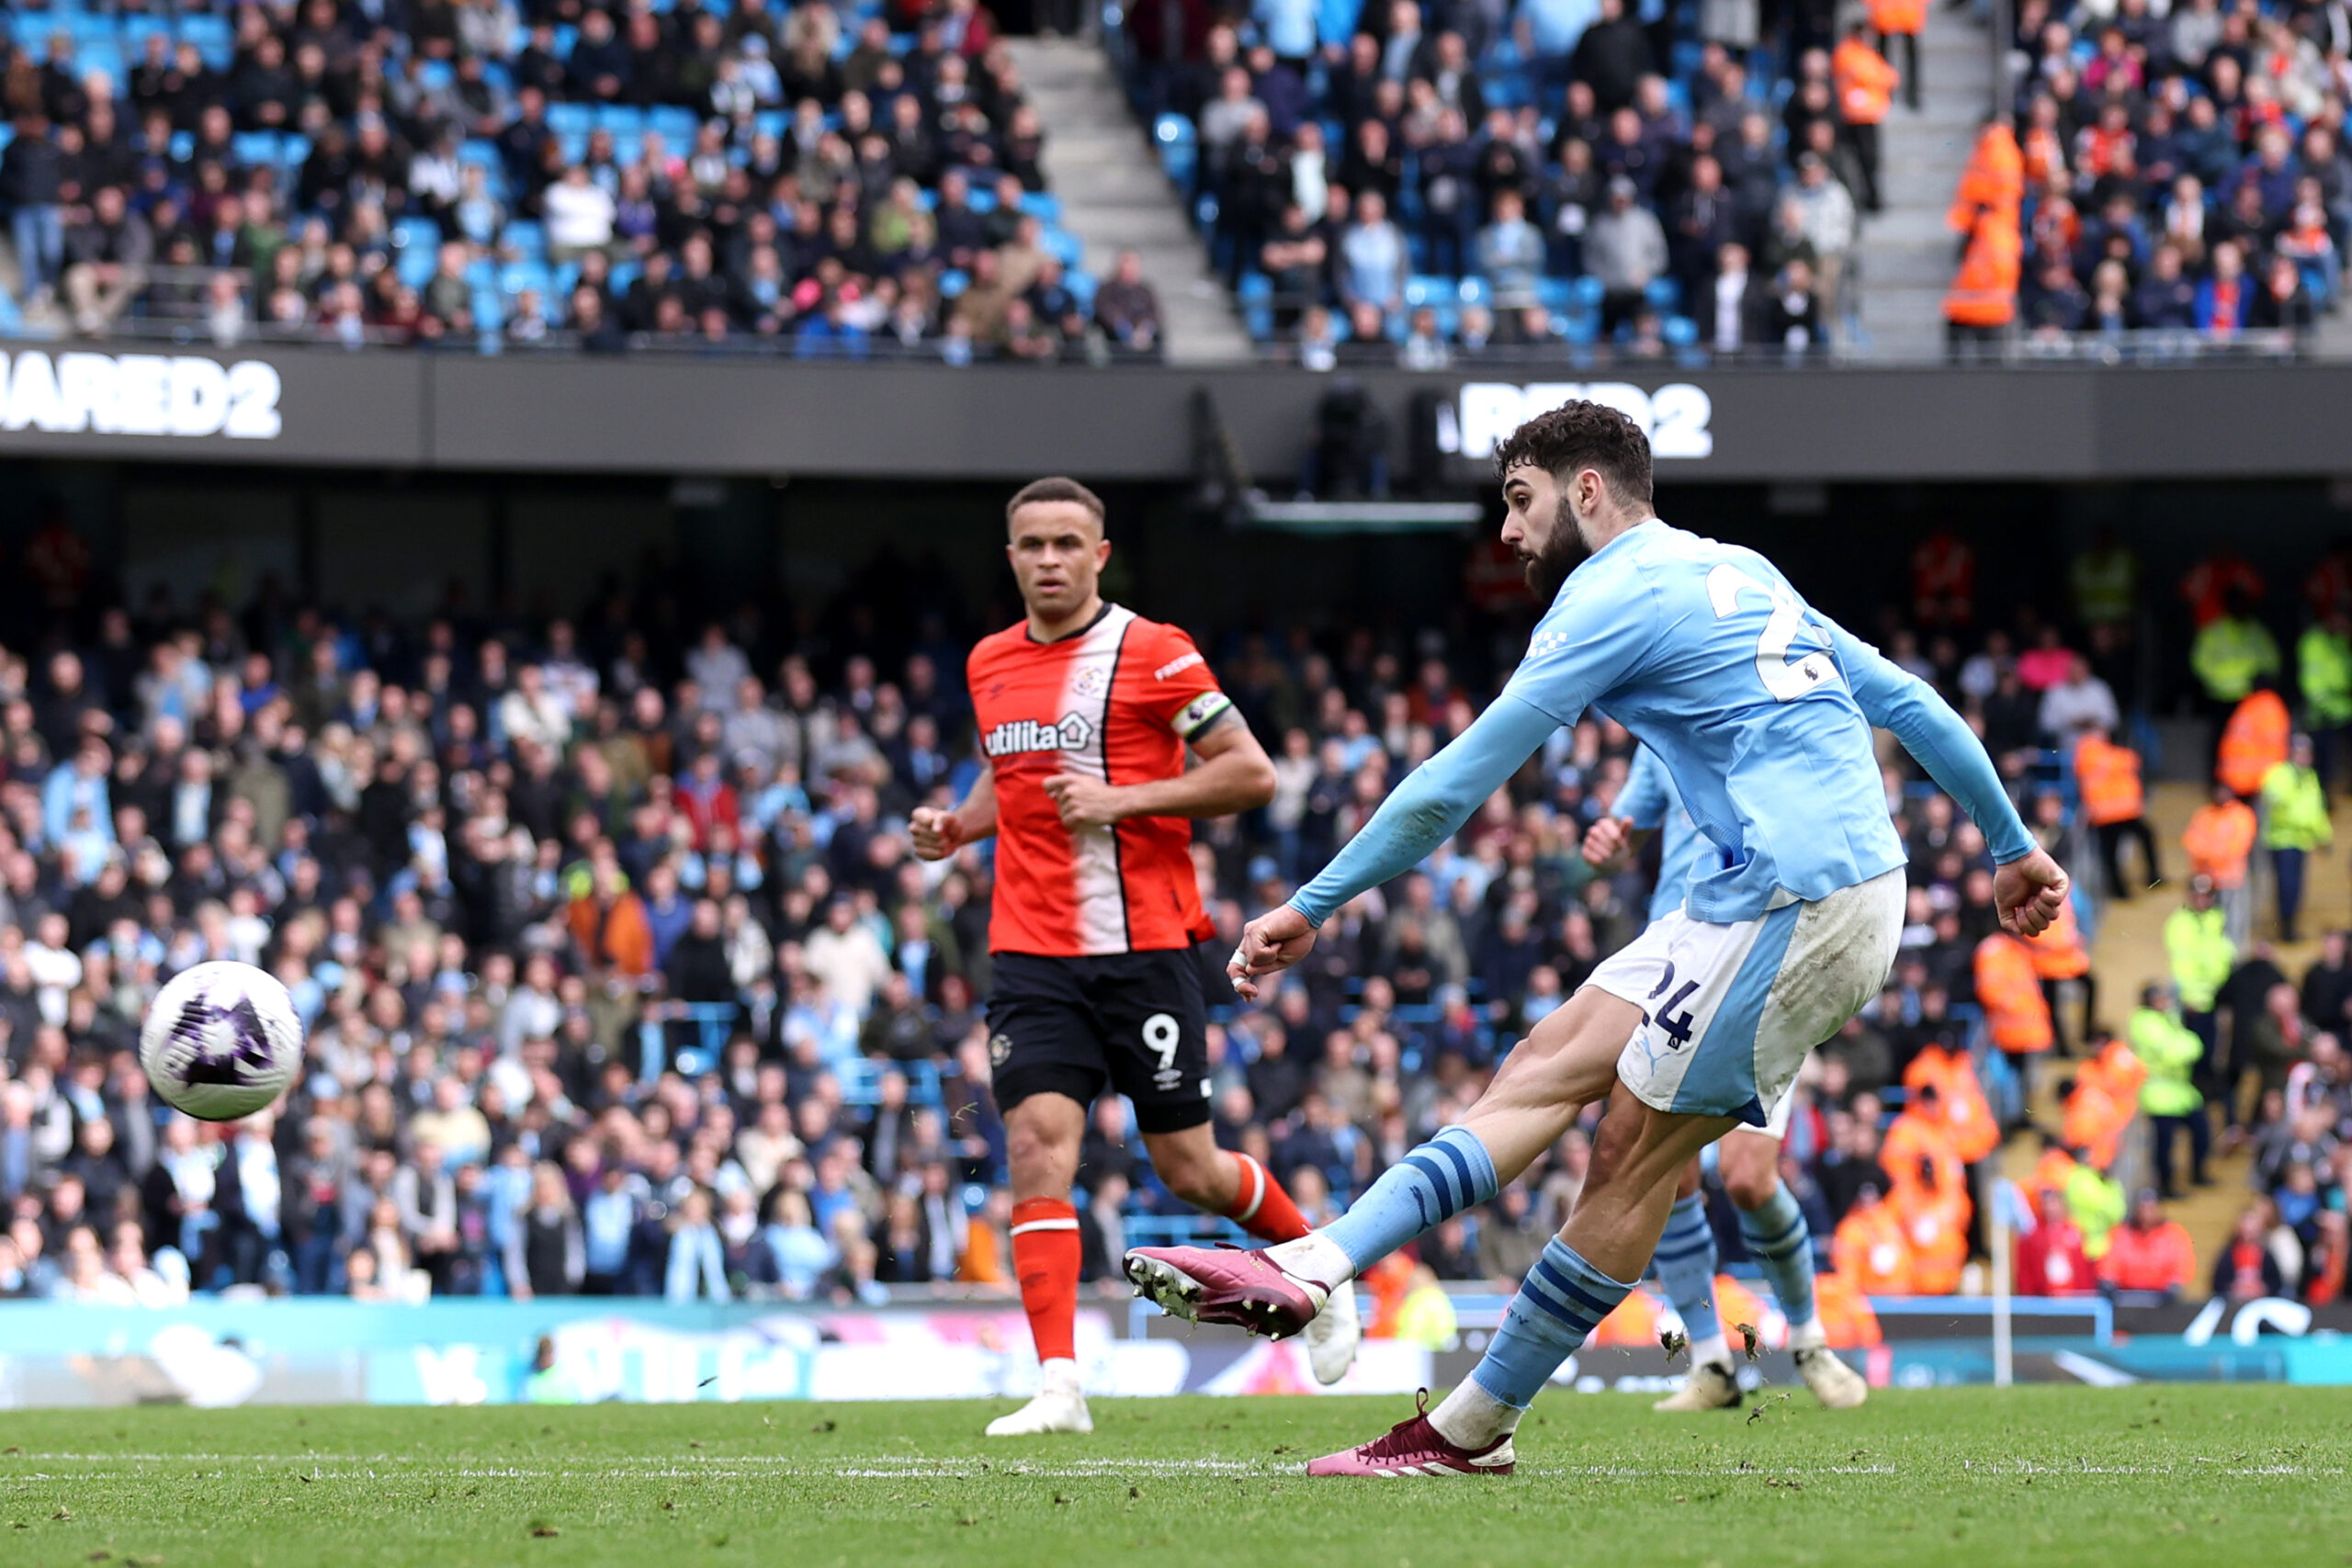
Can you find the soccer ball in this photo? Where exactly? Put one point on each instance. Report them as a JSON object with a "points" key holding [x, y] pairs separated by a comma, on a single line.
{"points": [[221, 1041]]}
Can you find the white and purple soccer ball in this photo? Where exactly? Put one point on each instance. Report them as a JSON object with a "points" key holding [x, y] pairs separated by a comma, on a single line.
{"points": [[221, 1041]]}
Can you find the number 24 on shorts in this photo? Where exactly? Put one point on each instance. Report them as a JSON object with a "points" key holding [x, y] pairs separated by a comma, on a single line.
{"points": [[1677, 1030]]}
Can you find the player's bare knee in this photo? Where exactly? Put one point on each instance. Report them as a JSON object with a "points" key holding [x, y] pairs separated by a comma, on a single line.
{"points": [[1750, 1170], [1040, 1157], [1751, 1188], [1190, 1170]]}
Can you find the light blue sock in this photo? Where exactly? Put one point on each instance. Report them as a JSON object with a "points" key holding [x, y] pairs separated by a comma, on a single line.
{"points": [[1562, 1301], [1448, 1174], [1685, 1261], [1781, 1244]]}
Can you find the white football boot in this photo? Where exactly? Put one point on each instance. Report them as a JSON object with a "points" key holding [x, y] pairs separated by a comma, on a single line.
{"points": [[1836, 1385], [1333, 1336], [1709, 1386], [1059, 1406]]}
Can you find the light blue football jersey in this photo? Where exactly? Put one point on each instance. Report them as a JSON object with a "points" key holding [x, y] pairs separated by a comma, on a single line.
{"points": [[1758, 706], [1713, 662], [1650, 801]]}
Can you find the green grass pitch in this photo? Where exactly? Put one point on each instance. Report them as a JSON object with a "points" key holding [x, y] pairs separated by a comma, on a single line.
{"points": [[2055, 1477]]}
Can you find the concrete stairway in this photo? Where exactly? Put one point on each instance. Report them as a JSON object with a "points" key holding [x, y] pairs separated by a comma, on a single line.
{"points": [[1905, 256], [1115, 198]]}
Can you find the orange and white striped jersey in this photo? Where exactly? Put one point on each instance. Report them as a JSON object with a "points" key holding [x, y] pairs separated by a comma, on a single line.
{"points": [[1118, 700]]}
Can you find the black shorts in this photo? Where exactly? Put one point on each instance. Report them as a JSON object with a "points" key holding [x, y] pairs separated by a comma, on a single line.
{"points": [[1134, 1021]]}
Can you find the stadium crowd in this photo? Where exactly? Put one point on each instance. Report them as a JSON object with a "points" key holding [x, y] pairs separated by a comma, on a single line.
{"points": [[1594, 174], [723, 178], [2177, 173], [620, 977]]}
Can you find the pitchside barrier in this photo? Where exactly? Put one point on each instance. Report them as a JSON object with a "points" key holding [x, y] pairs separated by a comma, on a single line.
{"points": [[217, 1352]]}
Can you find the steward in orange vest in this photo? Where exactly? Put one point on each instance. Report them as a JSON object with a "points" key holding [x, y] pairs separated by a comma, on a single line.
{"points": [[1864, 83], [2016, 1011], [2059, 954], [2109, 777], [1994, 180], [1934, 1221], [2253, 742], [1959, 1099], [2219, 837], [2105, 1102], [1871, 1248], [1982, 299], [2115, 803], [1903, 20]]}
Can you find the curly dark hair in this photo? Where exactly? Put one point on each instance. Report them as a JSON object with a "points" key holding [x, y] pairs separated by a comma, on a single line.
{"points": [[1579, 435]]}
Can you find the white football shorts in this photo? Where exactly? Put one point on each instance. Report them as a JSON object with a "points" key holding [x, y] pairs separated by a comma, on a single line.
{"points": [[1729, 1011]]}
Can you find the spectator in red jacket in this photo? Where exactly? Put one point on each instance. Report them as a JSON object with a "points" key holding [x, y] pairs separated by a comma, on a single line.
{"points": [[2050, 1259]]}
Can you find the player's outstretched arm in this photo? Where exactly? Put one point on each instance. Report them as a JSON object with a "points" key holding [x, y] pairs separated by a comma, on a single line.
{"points": [[1421, 813], [938, 834], [2028, 886], [1235, 774]]}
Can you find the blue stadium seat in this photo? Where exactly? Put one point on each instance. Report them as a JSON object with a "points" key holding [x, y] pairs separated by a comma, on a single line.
{"points": [[436, 74], [415, 265], [770, 122], [621, 119], [1081, 286], [676, 125], [1043, 205], [212, 36], [566, 35], [107, 57], [136, 30], [528, 238], [952, 282], [1681, 332], [256, 148], [1428, 290], [1665, 295], [293, 149], [1063, 246], [981, 200], [570, 118], [490, 310], [516, 277], [417, 234], [1476, 292]]}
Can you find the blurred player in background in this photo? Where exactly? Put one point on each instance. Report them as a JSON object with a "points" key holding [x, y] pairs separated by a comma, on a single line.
{"points": [[1085, 711], [1747, 1159]]}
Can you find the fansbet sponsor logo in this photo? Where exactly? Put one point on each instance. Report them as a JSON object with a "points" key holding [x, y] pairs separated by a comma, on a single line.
{"points": [[139, 394], [1034, 735]]}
